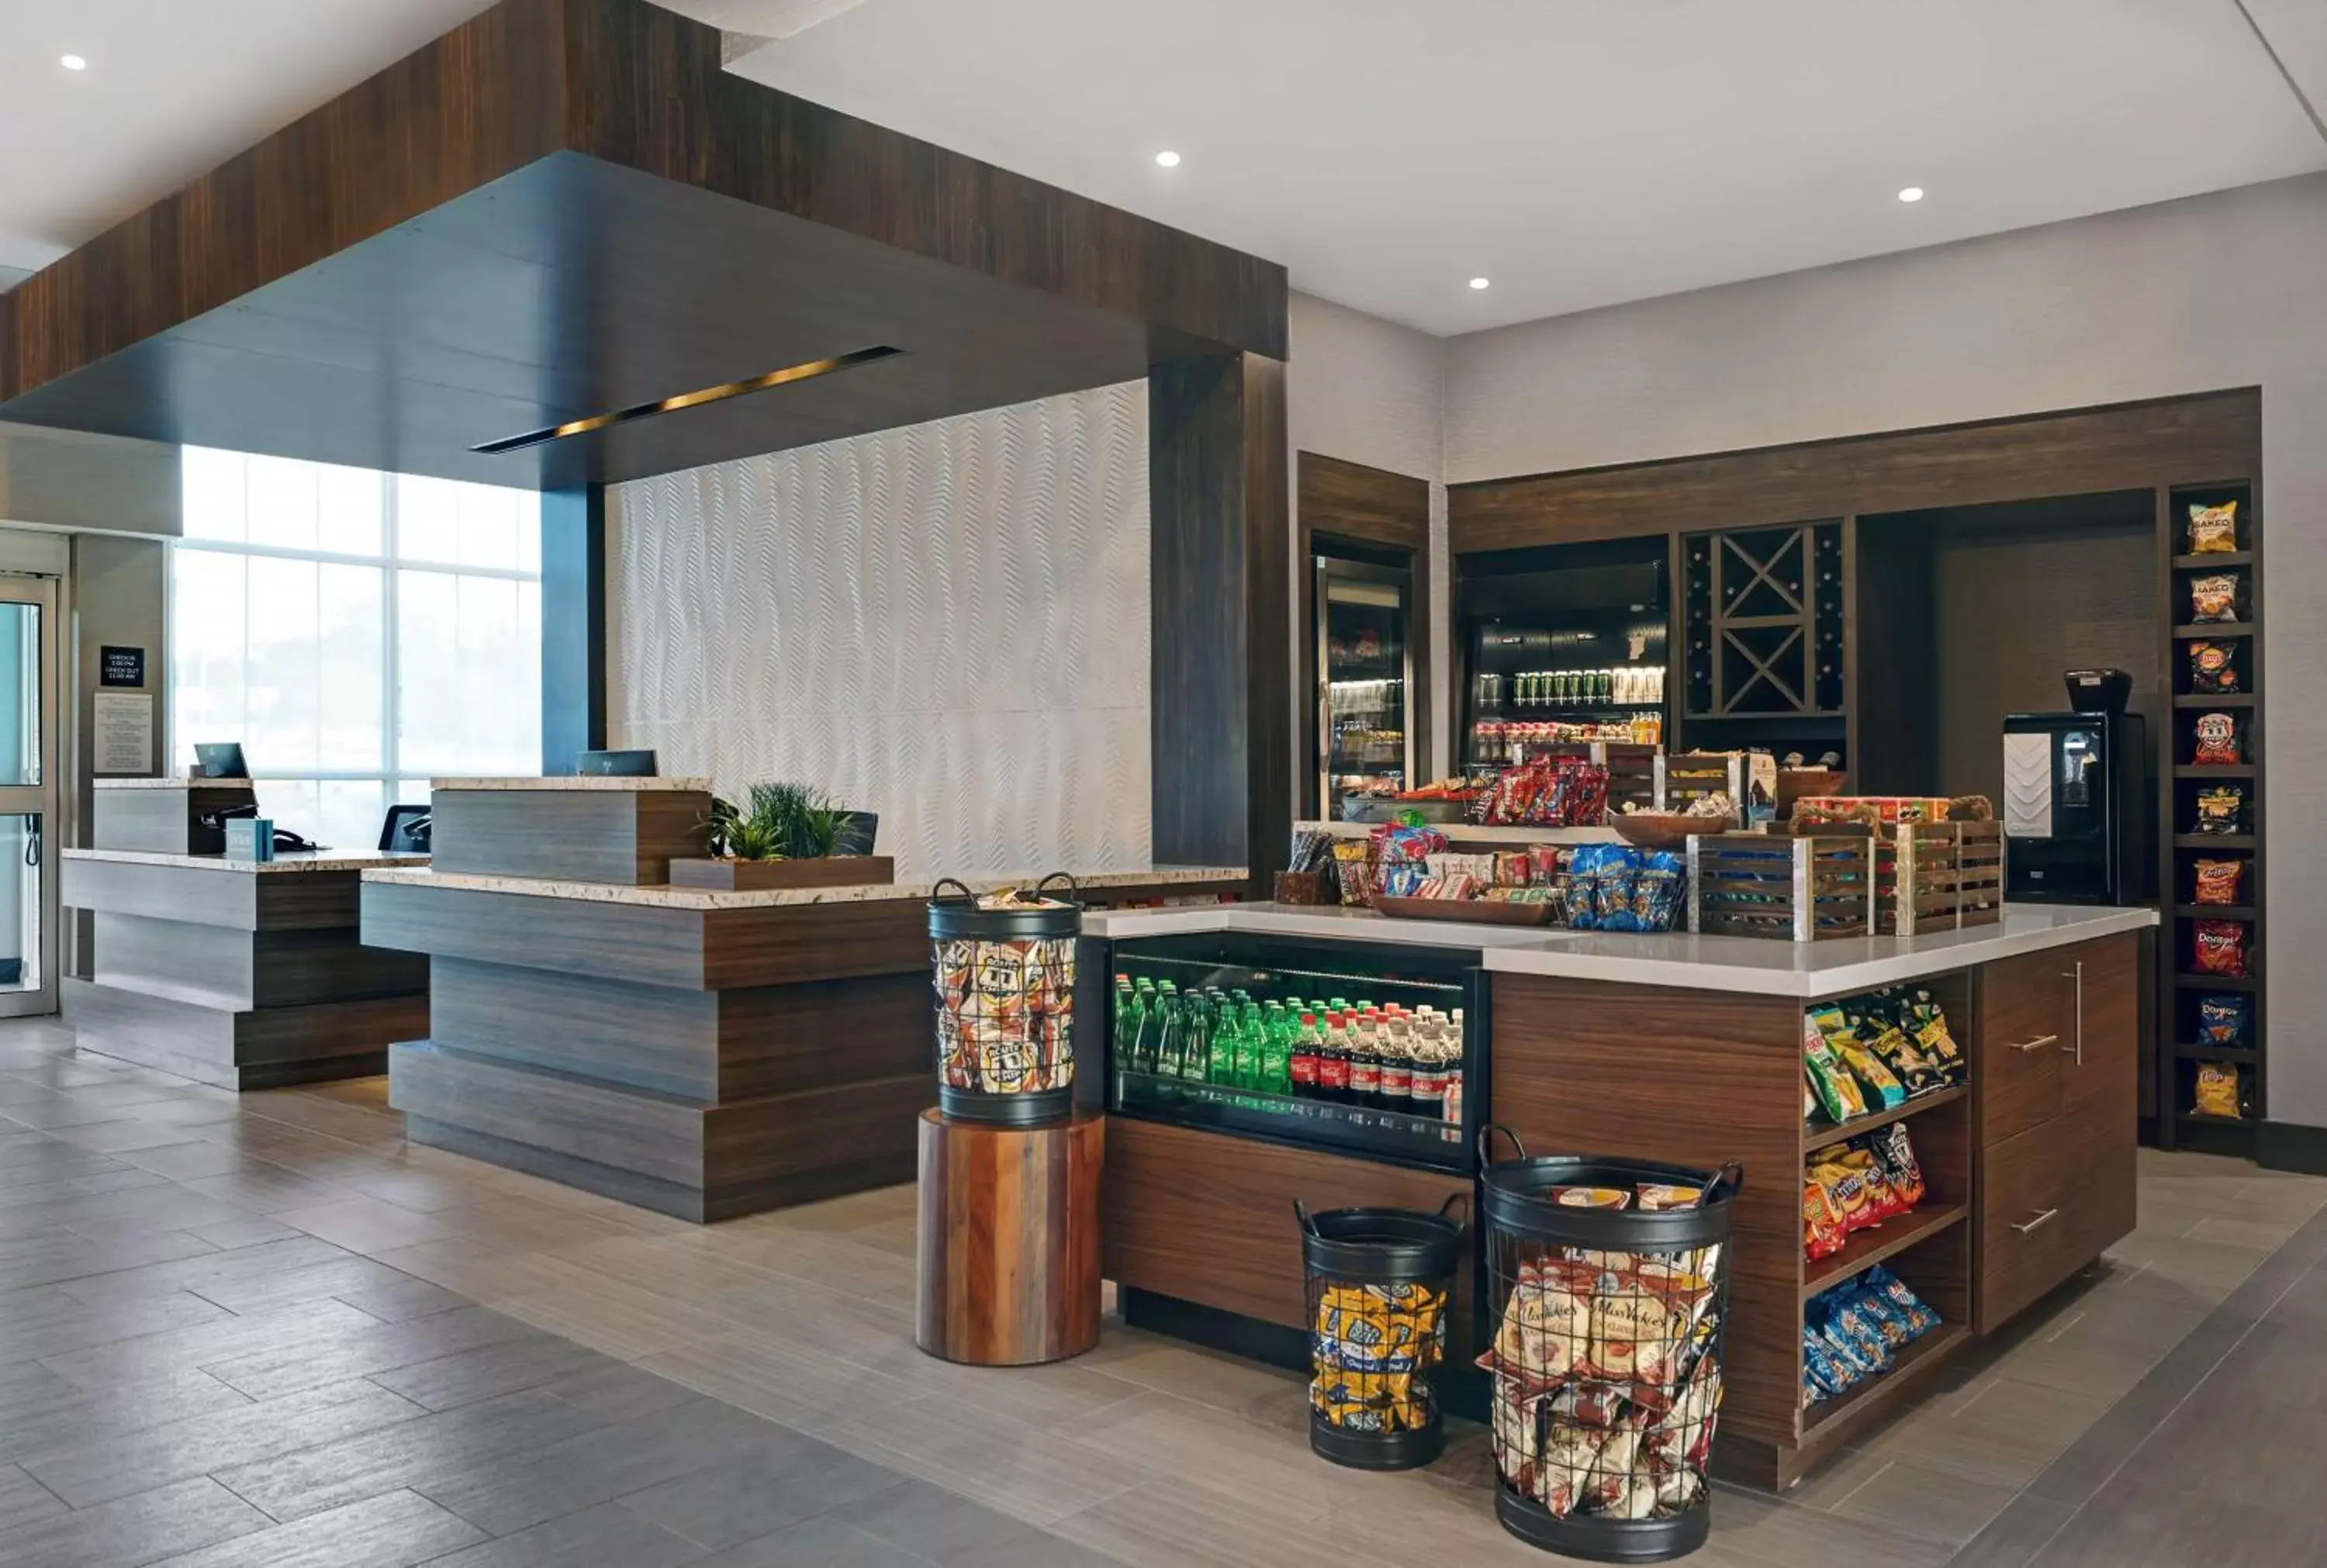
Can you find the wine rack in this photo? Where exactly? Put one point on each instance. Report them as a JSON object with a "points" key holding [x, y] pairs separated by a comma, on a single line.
{"points": [[1764, 617]]}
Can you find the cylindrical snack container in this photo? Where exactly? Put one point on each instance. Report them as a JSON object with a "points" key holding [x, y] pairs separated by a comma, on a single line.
{"points": [[1003, 979], [1376, 1283], [1605, 1363]]}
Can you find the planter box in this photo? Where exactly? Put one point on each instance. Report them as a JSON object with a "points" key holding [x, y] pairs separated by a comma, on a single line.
{"points": [[741, 877]]}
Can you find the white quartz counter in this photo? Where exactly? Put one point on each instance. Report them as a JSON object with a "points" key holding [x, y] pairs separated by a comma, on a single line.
{"points": [[773, 898], [170, 783], [1770, 968], [287, 861], [610, 782]]}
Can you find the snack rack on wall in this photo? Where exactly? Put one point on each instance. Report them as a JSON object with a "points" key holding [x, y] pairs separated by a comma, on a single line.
{"points": [[2214, 1080]]}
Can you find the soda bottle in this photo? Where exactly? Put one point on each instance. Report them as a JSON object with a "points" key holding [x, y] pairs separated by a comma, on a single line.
{"points": [[1301, 1066], [1130, 1018], [1228, 1031], [1396, 1067], [1429, 1071], [1196, 1040], [1333, 1061], [1364, 1062], [1166, 1061], [1250, 1037], [1276, 1053], [1451, 1049]]}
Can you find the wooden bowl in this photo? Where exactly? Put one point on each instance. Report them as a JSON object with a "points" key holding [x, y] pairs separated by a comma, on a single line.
{"points": [[1664, 829]]}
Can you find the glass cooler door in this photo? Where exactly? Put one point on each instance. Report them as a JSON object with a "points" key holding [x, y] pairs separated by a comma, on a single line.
{"points": [[1365, 664], [1277, 1041]]}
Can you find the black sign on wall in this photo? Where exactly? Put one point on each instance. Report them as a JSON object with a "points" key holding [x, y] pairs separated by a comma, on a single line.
{"points": [[121, 667]]}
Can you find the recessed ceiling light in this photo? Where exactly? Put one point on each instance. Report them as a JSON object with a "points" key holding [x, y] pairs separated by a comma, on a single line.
{"points": [[1912, 194], [74, 62], [1478, 282], [1167, 159]]}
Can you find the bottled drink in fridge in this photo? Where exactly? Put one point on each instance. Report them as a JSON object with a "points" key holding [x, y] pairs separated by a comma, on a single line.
{"points": [[1452, 1046], [1302, 1066], [1228, 1034], [1251, 1037], [1333, 1061], [1172, 1023], [1396, 1066], [1429, 1070], [1277, 1051], [1365, 1061], [1130, 1012], [1196, 1040]]}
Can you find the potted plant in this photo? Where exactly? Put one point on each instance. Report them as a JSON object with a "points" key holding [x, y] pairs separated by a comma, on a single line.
{"points": [[782, 835]]}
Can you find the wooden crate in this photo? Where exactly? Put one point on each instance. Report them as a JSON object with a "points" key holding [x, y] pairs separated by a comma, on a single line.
{"points": [[1940, 876], [1802, 889], [1631, 766], [1685, 777]]}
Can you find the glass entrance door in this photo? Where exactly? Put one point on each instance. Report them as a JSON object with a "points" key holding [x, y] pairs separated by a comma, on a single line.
{"points": [[28, 795]]}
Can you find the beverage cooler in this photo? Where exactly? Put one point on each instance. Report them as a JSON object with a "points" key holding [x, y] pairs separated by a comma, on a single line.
{"points": [[1379, 1052], [1558, 640], [1365, 678]]}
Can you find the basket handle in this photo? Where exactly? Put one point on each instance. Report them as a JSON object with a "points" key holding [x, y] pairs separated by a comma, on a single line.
{"points": [[1456, 1201], [1487, 1142], [938, 891], [1301, 1214], [1074, 889], [1732, 1171]]}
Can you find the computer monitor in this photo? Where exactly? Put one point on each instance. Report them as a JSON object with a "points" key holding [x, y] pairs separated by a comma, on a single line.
{"points": [[406, 830], [615, 764], [221, 760]]}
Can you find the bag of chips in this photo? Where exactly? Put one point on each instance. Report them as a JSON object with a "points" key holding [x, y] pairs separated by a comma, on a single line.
{"points": [[1353, 870], [2217, 737], [2221, 809], [2213, 668], [2218, 1090], [2213, 530], [1882, 1086], [2219, 947], [2214, 597], [1838, 1093], [1895, 1289], [1657, 890], [2218, 881], [2222, 1019], [1897, 1158]]}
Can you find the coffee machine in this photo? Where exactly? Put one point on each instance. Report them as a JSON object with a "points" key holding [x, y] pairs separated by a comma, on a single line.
{"points": [[2079, 804]]}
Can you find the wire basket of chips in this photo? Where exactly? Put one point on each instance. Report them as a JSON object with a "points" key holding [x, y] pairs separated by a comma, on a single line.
{"points": [[1003, 967], [1608, 1294], [1376, 1282]]}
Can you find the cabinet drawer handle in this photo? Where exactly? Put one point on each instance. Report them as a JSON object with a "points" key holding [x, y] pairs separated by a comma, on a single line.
{"points": [[2038, 1043], [2042, 1219]]}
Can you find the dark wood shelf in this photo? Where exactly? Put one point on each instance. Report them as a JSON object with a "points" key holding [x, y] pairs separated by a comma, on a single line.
{"points": [[2214, 769], [2215, 911], [2225, 700], [2213, 841], [2242, 1055], [1912, 1366], [2204, 1119], [2219, 559], [2200, 631], [2217, 982], [1888, 1239], [1817, 1134]]}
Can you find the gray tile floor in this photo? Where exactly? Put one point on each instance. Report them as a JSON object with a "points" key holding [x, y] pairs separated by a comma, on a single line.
{"points": [[264, 1329]]}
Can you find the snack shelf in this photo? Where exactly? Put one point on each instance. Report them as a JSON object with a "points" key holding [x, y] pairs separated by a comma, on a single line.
{"points": [[2214, 770], [2215, 629], [1831, 1419], [2214, 700], [2215, 911], [2218, 558], [1817, 1134], [2235, 1055], [2213, 841], [1887, 1240], [2208, 1119], [2217, 982]]}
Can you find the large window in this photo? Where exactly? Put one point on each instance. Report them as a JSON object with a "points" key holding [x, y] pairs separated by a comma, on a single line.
{"points": [[357, 631]]}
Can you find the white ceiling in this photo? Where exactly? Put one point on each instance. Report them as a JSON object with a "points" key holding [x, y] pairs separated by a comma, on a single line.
{"points": [[1578, 152], [1581, 153]]}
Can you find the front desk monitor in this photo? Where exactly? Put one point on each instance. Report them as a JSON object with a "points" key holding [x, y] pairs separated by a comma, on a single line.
{"points": [[221, 760], [615, 764]]}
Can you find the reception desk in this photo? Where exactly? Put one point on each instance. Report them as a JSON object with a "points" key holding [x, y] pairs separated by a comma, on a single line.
{"points": [[243, 973], [706, 1054]]}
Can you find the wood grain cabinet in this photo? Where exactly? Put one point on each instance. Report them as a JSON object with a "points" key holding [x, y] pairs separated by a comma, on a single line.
{"points": [[2057, 1050]]}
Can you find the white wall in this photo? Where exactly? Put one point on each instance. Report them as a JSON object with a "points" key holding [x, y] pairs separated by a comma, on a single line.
{"points": [[2220, 291], [1370, 391], [945, 623]]}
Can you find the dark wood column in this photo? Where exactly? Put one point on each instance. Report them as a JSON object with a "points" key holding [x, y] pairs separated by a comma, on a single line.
{"points": [[572, 624], [1220, 634]]}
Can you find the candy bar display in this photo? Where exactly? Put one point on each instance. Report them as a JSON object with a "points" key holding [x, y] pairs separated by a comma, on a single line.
{"points": [[2213, 529], [1378, 1282], [2221, 809], [1557, 792], [2216, 738], [1608, 1300], [1855, 1331], [2215, 597], [1004, 974]]}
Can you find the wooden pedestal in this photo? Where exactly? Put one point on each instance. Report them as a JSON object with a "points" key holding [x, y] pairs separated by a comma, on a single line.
{"points": [[1009, 1240]]}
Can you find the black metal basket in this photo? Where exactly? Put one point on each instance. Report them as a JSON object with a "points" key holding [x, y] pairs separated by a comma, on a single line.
{"points": [[1608, 1294], [1004, 986], [1376, 1282]]}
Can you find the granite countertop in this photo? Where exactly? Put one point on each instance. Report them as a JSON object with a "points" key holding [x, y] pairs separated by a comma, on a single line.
{"points": [[170, 783], [776, 898], [612, 782], [1804, 970], [289, 860]]}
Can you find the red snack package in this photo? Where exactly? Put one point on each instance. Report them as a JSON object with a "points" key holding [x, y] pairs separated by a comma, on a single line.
{"points": [[1896, 1156], [1583, 794], [2220, 947], [2216, 739], [1822, 1226]]}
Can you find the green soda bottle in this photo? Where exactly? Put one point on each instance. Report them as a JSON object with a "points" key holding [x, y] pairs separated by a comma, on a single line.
{"points": [[1171, 1014], [1249, 1047], [1196, 1040]]}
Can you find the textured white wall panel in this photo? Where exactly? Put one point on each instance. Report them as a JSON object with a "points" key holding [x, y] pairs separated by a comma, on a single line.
{"points": [[944, 623]]}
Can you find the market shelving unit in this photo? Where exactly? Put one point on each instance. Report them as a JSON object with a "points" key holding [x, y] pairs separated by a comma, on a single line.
{"points": [[2181, 781]]}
